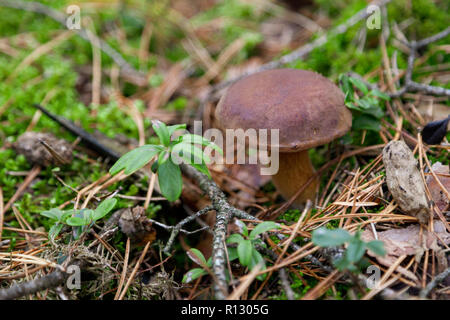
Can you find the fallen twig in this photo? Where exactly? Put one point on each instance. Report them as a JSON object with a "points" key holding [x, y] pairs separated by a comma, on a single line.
{"points": [[438, 279], [176, 229], [51, 280], [415, 86]]}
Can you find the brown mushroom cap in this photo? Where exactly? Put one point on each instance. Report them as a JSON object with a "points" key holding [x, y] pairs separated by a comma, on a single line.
{"points": [[306, 107]]}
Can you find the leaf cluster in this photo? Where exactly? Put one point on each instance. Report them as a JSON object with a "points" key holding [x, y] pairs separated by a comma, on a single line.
{"points": [[356, 247], [80, 219], [246, 251], [366, 105], [169, 154]]}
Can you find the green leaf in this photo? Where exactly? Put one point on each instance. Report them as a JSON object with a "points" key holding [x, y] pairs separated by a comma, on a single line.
{"points": [[54, 214], [154, 167], [135, 159], [263, 227], [163, 156], [346, 86], [235, 238], [377, 247], [366, 122], [87, 215], [348, 98], [193, 274], [175, 127], [190, 153], [196, 139], [232, 254], [258, 259], [202, 168], [324, 237], [245, 250], [359, 84], [375, 111], [54, 231], [352, 106], [162, 132], [369, 106], [364, 103], [196, 256], [380, 94], [341, 264], [76, 221], [104, 208], [242, 227], [355, 250], [170, 180]]}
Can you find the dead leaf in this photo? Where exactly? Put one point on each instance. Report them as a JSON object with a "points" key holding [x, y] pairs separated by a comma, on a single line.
{"points": [[134, 223], [408, 241], [439, 197]]}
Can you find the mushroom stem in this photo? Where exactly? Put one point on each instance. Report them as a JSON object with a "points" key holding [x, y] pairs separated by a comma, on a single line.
{"points": [[295, 169]]}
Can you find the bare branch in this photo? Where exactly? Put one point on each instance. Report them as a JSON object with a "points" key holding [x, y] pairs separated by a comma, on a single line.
{"points": [[177, 229], [51, 280], [438, 279], [415, 86]]}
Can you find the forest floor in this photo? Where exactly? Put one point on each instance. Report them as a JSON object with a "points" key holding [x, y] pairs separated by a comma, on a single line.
{"points": [[137, 61]]}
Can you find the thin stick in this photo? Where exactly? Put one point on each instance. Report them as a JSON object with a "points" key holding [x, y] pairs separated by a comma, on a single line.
{"points": [[136, 267], [151, 186], [124, 270], [248, 279], [438, 279]]}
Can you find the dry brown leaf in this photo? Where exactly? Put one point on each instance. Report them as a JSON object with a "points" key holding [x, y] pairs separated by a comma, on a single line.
{"points": [[408, 241]]}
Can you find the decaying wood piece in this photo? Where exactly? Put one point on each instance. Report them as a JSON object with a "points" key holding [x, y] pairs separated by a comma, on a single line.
{"points": [[404, 180], [135, 224], [43, 148]]}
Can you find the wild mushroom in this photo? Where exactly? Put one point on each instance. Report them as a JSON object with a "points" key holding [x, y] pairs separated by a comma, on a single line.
{"points": [[308, 110]]}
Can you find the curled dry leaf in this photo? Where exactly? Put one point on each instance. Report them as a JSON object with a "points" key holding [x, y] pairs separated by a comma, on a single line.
{"points": [[439, 197], [404, 181], [134, 223], [43, 148], [408, 241], [434, 132]]}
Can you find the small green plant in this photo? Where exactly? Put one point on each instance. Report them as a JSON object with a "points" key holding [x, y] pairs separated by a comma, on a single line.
{"points": [[80, 219], [245, 251], [353, 256], [196, 256], [166, 165], [366, 106], [247, 243]]}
